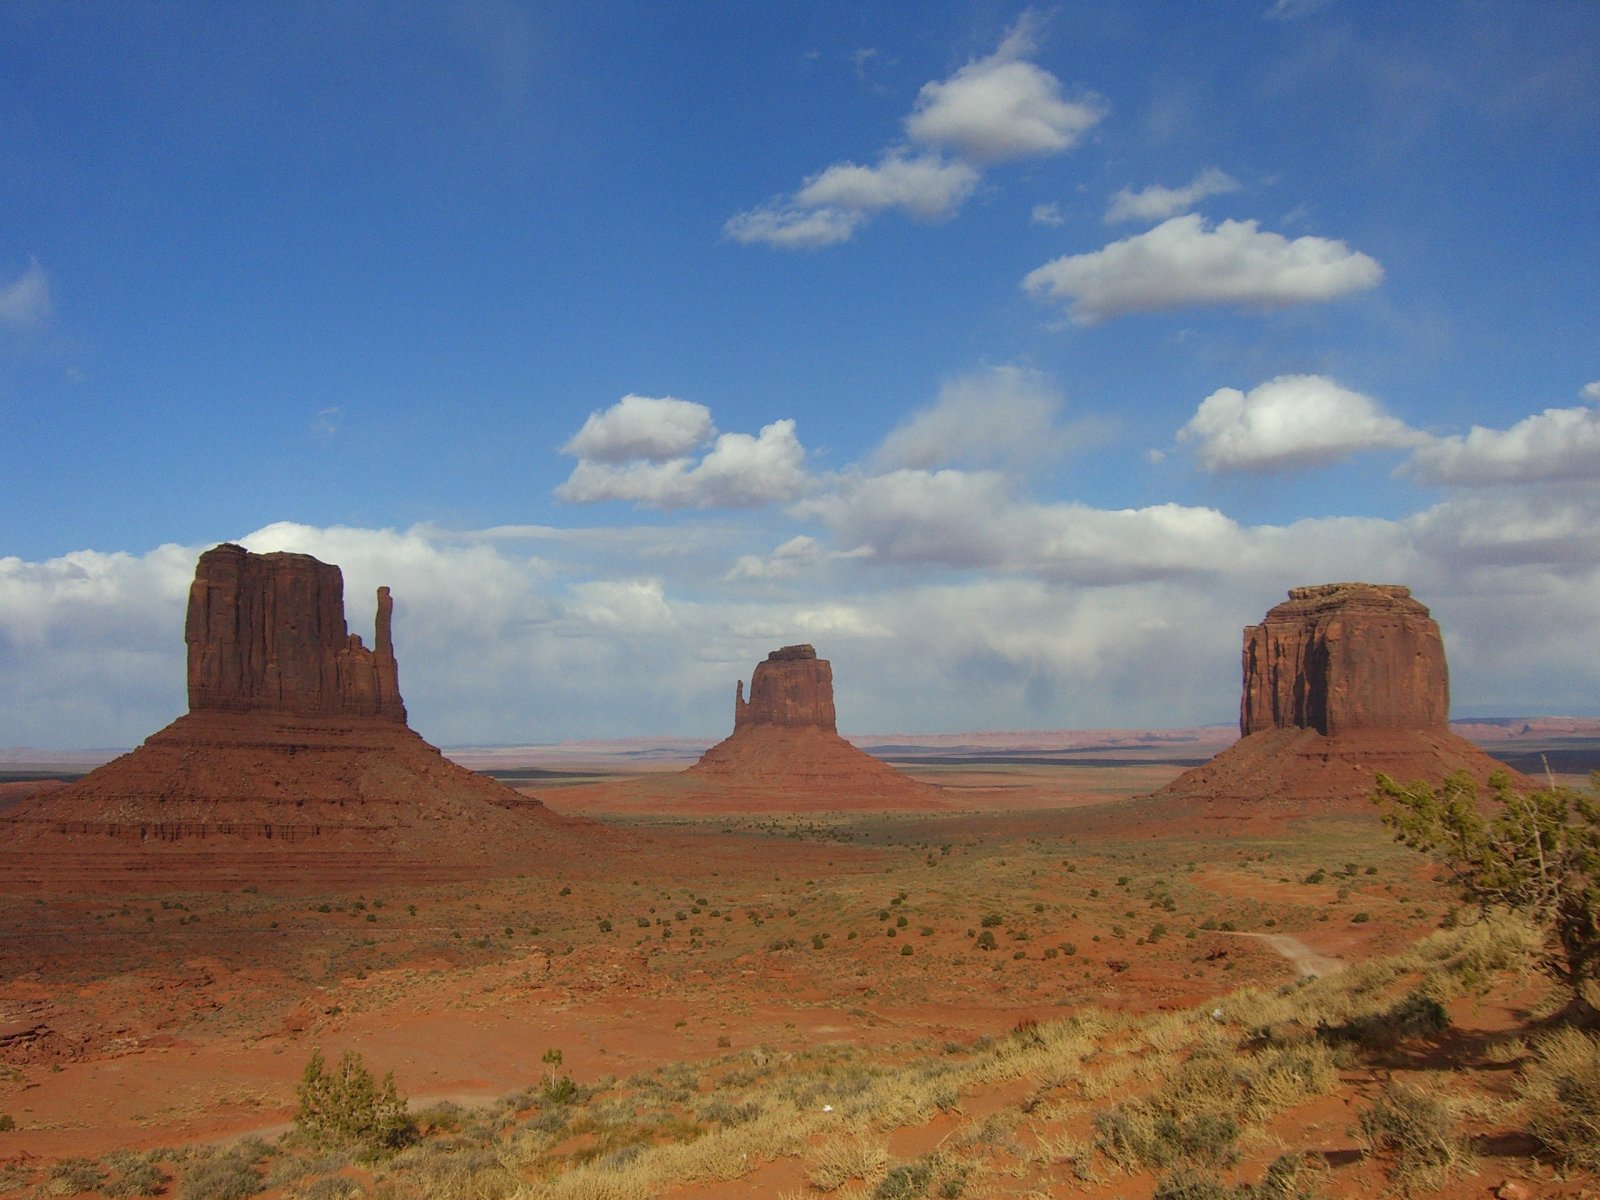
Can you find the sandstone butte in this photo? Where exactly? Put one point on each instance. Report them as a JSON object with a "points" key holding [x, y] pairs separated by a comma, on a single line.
{"points": [[294, 756], [1341, 682], [785, 750]]}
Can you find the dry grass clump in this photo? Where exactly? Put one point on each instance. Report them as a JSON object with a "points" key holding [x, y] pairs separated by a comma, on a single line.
{"points": [[1561, 1091], [844, 1157], [1416, 1132]]}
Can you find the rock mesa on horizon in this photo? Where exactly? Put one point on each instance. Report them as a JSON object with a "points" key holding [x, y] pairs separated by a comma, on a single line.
{"points": [[266, 632], [785, 749], [295, 756], [1340, 682], [1344, 656]]}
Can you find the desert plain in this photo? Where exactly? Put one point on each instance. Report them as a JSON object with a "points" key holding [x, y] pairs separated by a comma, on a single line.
{"points": [[783, 999]]}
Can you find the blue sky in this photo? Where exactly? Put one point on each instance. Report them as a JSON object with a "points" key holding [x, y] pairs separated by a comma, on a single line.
{"points": [[1015, 357]]}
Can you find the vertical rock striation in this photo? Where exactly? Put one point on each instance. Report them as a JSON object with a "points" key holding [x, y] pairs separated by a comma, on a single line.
{"points": [[266, 633], [1345, 656], [793, 687]]}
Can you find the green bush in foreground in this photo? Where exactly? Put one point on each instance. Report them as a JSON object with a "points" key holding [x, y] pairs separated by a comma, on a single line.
{"points": [[1537, 854], [346, 1106]]}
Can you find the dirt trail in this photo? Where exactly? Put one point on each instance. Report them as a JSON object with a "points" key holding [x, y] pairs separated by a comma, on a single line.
{"points": [[1306, 960]]}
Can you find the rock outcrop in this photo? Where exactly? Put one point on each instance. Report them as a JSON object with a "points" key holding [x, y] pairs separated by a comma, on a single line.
{"points": [[793, 687], [1345, 656], [785, 750], [295, 757], [1341, 682], [266, 633]]}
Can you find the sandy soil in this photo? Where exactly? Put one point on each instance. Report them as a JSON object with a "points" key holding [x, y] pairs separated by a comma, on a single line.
{"points": [[184, 1016]]}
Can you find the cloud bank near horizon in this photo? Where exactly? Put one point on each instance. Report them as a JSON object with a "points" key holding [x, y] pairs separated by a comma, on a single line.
{"points": [[930, 576]]}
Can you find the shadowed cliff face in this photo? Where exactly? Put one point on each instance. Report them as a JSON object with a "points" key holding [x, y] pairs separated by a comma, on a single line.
{"points": [[792, 687], [266, 632], [1341, 657]]}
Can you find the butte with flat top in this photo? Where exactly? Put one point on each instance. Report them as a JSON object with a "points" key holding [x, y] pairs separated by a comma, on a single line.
{"points": [[785, 749], [294, 756], [1341, 681]]}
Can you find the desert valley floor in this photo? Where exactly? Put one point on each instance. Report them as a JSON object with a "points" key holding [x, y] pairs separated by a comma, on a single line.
{"points": [[883, 1003]]}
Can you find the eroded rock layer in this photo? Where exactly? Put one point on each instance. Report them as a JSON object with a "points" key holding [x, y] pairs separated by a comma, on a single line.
{"points": [[294, 758], [1342, 682], [785, 750]]}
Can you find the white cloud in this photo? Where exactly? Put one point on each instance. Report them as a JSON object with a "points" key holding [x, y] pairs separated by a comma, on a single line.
{"points": [[1002, 107], [1183, 262], [647, 427], [1157, 203], [1557, 444], [1002, 417], [992, 110], [927, 187], [973, 521], [1048, 214], [790, 228], [1591, 391], [978, 608], [1290, 422], [739, 471], [26, 300]]}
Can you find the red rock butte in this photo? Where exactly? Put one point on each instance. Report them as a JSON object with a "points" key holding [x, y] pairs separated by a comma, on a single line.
{"points": [[1341, 682], [785, 750], [294, 758]]}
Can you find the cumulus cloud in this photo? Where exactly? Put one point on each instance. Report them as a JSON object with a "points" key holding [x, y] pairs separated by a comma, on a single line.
{"points": [[974, 521], [643, 452], [1184, 262], [1048, 214], [1557, 444], [25, 300], [1003, 107], [992, 110], [927, 186], [1002, 417], [656, 429], [1290, 422], [1157, 203]]}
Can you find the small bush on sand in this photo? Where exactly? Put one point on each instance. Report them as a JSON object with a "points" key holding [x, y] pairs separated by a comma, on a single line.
{"points": [[229, 1175], [1417, 1132], [346, 1106], [1561, 1090]]}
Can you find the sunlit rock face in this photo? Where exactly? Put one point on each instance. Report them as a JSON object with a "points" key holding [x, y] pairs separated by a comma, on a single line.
{"points": [[792, 687], [1339, 657], [266, 632]]}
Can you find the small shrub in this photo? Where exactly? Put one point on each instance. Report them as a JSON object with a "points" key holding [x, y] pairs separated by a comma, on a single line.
{"points": [[1561, 1090], [73, 1175], [986, 941], [134, 1175], [1418, 1132], [230, 1175], [347, 1106]]}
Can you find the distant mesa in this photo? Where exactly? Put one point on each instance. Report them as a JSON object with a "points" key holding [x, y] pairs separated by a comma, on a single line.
{"points": [[785, 749], [294, 756], [1341, 682]]}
